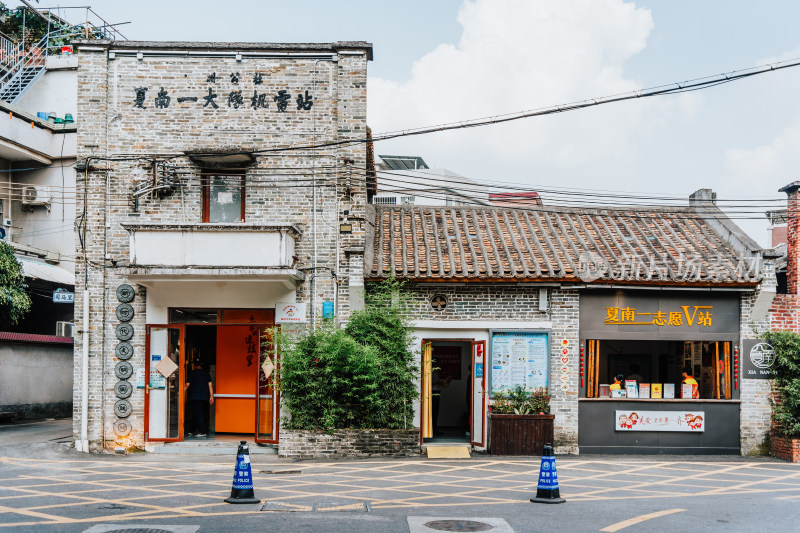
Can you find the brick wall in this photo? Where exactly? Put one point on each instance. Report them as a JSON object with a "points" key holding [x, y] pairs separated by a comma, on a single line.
{"points": [[278, 185], [755, 394], [305, 444]]}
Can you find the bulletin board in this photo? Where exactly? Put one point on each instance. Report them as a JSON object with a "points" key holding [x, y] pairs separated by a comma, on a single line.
{"points": [[519, 358]]}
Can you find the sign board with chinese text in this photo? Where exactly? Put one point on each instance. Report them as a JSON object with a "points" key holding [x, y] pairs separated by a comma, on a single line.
{"points": [[290, 313], [660, 315], [61, 296], [519, 358], [757, 359], [687, 421], [157, 381]]}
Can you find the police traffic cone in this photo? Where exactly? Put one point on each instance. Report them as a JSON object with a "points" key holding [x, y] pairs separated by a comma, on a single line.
{"points": [[547, 490], [242, 490]]}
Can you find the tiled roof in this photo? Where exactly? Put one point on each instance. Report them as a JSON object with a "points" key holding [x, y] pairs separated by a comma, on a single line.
{"points": [[33, 338], [670, 246]]}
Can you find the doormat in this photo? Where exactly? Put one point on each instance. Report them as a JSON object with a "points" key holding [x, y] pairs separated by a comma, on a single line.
{"points": [[448, 452]]}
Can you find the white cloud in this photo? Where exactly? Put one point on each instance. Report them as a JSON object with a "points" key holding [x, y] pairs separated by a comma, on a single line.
{"points": [[525, 54], [776, 162]]}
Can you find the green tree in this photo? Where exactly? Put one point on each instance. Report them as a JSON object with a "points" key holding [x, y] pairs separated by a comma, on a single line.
{"points": [[787, 380], [358, 377], [328, 381], [14, 21], [14, 301], [384, 324]]}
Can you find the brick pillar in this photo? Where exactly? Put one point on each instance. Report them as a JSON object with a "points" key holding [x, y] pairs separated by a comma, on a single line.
{"points": [[793, 234]]}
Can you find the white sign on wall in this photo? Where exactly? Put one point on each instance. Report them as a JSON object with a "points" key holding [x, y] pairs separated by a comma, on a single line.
{"points": [[287, 312], [520, 358], [689, 421]]}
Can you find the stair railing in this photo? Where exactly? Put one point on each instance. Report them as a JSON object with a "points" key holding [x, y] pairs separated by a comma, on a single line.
{"points": [[10, 52], [36, 55]]}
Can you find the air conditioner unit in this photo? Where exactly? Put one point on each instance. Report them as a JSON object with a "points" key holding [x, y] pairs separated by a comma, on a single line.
{"points": [[64, 329], [35, 195]]}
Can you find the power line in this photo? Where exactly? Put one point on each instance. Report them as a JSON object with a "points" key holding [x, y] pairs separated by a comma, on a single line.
{"points": [[660, 90]]}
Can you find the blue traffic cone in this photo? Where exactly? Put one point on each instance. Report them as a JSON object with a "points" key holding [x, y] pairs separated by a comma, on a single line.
{"points": [[242, 490], [547, 490]]}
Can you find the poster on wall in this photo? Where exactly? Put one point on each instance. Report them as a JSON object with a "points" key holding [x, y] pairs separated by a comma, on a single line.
{"points": [[519, 358], [691, 421]]}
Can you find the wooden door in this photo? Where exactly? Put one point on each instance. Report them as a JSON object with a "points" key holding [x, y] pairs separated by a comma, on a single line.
{"points": [[268, 396], [477, 404]]}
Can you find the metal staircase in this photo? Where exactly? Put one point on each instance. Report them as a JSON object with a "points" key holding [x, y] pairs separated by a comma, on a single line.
{"points": [[21, 75], [25, 77]]}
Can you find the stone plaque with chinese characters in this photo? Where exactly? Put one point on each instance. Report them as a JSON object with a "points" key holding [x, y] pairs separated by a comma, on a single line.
{"points": [[660, 315]]}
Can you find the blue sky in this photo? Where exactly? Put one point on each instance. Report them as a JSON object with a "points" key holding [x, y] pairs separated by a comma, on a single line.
{"points": [[446, 60]]}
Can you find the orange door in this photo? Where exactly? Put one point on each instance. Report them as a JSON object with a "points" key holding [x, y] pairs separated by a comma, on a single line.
{"points": [[236, 379]]}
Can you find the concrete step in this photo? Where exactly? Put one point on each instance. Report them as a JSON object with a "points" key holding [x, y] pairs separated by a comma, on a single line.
{"points": [[208, 447]]}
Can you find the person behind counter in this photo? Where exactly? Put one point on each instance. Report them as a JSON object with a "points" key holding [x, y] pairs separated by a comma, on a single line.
{"points": [[617, 385], [634, 375], [686, 373]]}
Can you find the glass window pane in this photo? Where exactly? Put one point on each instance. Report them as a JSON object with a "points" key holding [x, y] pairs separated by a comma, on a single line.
{"points": [[225, 199], [192, 316], [164, 405]]}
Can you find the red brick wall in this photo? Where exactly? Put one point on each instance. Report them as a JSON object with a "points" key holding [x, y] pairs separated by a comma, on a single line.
{"points": [[778, 235], [793, 232], [786, 449], [784, 313]]}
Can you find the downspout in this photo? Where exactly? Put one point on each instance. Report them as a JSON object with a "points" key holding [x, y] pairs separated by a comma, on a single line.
{"points": [[84, 442], [314, 200]]}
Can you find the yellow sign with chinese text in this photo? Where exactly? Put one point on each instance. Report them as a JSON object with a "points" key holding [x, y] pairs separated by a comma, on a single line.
{"points": [[689, 315]]}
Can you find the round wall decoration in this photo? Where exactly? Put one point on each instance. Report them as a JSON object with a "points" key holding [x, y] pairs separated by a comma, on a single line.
{"points": [[439, 302], [123, 370], [125, 293], [122, 428], [124, 350], [124, 312], [122, 408], [123, 389], [124, 332]]}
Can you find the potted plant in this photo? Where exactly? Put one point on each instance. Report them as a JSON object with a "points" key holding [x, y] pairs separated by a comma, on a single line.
{"points": [[520, 422]]}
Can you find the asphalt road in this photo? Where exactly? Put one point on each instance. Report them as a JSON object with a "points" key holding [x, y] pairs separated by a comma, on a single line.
{"points": [[46, 486]]}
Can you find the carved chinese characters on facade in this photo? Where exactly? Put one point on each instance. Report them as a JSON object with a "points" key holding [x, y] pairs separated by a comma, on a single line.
{"points": [[236, 97]]}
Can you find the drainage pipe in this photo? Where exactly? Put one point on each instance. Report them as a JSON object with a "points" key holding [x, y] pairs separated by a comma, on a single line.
{"points": [[84, 442]]}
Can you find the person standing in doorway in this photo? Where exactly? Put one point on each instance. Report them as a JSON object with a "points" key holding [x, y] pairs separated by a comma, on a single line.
{"points": [[201, 392]]}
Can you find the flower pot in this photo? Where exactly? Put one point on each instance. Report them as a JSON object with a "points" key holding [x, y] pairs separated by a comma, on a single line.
{"points": [[519, 434]]}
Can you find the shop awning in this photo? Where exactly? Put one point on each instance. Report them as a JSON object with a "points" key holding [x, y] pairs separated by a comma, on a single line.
{"points": [[46, 272]]}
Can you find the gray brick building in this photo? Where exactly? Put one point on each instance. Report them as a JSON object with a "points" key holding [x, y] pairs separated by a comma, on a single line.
{"points": [[212, 182]]}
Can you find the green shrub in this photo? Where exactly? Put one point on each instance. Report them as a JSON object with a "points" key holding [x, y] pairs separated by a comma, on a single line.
{"points": [[329, 381], [359, 377], [787, 368], [384, 325]]}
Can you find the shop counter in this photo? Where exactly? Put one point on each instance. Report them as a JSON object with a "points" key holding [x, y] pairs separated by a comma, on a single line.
{"points": [[658, 426]]}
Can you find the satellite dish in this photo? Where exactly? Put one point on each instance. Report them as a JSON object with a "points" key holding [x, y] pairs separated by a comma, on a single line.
{"points": [[2, 233]]}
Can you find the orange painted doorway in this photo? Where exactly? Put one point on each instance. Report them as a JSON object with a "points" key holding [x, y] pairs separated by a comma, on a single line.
{"points": [[236, 379]]}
